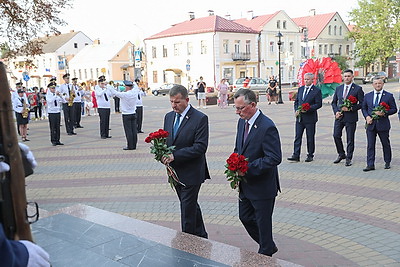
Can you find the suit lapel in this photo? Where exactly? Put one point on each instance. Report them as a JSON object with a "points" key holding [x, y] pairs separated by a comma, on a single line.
{"points": [[183, 123], [253, 131]]}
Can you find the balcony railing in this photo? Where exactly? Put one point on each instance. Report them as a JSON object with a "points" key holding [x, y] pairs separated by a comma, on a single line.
{"points": [[243, 56]]}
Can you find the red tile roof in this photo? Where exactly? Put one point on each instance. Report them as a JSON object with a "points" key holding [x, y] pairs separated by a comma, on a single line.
{"points": [[201, 25], [257, 23], [315, 24], [351, 27]]}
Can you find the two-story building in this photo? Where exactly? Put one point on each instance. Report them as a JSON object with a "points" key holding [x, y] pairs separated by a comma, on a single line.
{"points": [[57, 50], [212, 47]]}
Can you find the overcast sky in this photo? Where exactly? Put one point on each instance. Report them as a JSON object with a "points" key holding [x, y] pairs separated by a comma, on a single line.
{"points": [[130, 20]]}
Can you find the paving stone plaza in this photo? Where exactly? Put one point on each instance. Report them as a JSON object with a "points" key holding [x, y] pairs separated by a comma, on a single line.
{"points": [[326, 215]]}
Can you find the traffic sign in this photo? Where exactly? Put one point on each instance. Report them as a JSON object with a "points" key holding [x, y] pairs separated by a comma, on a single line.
{"points": [[26, 78], [137, 55], [187, 67]]}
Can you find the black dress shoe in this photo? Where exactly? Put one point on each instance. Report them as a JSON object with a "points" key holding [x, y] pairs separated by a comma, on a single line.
{"points": [[109, 136], [59, 144], [54, 144], [369, 168], [309, 159], [79, 126], [348, 162], [140, 132], [387, 166], [103, 137], [339, 159], [71, 133], [293, 159], [127, 148]]}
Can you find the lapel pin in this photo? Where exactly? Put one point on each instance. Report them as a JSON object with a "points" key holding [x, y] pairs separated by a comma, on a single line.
{"points": [[187, 117], [255, 126]]}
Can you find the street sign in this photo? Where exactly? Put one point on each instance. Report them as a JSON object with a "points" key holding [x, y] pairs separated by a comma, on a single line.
{"points": [[187, 67], [138, 64], [137, 55], [26, 78]]}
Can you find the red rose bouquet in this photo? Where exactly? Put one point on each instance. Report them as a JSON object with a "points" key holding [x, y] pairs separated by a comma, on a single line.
{"points": [[382, 107], [349, 102], [302, 108], [234, 164], [160, 149]]}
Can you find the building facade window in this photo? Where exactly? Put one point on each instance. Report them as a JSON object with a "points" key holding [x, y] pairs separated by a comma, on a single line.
{"points": [[248, 46], [330, 30], [271, 47], [176, 50], [284, 24], [225, 46], [320, 50], [75, 45], [91, 73], [189, 48], [154, 52], [340, 50], [80, 74], [203, 45], [155, 80], [86, 76], [347, 49], [278, 24], [291, 47], [325, 49], [237, 46], [340, 30], [334, 30], [97, 72], [165, 51], [331, 48]]}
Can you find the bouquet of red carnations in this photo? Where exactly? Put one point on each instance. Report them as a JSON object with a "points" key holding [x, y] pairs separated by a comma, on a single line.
{"points": [[302, 108], [160, 149], [383, 107], [234, 164]]}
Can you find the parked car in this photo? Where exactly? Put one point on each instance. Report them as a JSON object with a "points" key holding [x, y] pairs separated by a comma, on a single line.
{"points": [[374, 75], [163, 89], [255, 84]]}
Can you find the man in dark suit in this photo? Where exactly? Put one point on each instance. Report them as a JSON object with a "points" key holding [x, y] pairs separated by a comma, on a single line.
{"points": [[188, 130], [258, 140], [378, 123], [306, 120], [346, 117]]}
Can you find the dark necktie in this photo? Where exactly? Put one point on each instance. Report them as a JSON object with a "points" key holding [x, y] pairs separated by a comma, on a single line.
{"points": [[346, 91], [138, 95], [69, 90], [22, 100], [105, 96], [176, 125], [246, 131], [55, 101], [305, 92], [376, 99]]}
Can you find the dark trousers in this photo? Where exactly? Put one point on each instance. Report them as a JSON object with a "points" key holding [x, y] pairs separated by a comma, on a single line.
{"points": [[139, 117], [387, 150], [350, 136], [191, 217], [68, 118], [256, 217], [310, 133], [54, 123], [38, 110], [129, 122], [104, 114], [116, 103], [77, 110]]}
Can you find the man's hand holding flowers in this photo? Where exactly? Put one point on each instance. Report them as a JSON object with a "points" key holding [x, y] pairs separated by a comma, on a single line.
{"points": [[378, 112], [346, 106]]}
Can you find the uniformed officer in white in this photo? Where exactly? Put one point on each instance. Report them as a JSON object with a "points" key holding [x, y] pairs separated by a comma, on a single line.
{"points": [[103, 95], [54, 104], [77, 106], [139, 106], [65, 91], [128, 108]]}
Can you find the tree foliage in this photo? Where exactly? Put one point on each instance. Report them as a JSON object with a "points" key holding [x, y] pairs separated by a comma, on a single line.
{"points": [[377, 30], [22, 21], [342, 62]]}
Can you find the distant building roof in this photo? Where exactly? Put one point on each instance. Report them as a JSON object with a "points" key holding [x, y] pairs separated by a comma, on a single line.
{"points": [[202, 25], [351, 27], [315, 24], [54, 42], [256, 23]]}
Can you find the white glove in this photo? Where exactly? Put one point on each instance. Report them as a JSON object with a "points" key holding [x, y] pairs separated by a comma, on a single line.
{"points": [[38, 257], [4, 167], [29, 155]]}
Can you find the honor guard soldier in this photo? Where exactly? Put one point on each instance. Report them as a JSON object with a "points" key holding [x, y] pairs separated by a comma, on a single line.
{"points": [[103, 96], [128, 107], [77, 105], [54, 103], [68, 95]]}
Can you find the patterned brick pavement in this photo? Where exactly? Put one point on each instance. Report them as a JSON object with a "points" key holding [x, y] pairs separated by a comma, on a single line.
{"points": [[326, 215]]}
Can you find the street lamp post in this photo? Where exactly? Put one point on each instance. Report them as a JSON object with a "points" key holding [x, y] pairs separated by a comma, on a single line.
{"points": [[279, 35]]}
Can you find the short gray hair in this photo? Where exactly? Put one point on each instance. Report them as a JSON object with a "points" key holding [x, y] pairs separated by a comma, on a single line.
{"points": [[179, 89], [249, 95], [309, 74]]}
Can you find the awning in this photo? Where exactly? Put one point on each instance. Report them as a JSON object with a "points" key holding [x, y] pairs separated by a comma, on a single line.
{"points": [[177, 71], [48, 75], [35, 76], [125, 66]]}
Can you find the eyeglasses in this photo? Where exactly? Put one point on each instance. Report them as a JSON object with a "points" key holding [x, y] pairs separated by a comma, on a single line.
{"points": [[240, 108]]}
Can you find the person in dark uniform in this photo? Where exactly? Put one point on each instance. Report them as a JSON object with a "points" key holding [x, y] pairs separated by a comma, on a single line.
{"points": [[54, 110], [66, 91], [139, 105], [128, 107], [77, 105]]}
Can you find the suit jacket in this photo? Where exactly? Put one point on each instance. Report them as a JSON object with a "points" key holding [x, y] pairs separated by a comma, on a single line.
{"points": [[383, 123], [337, 101], [191, 142], [314, 98], [12, 253], [263, 150]]}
